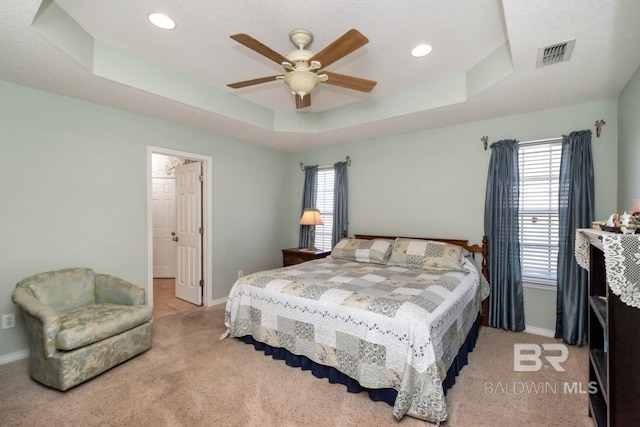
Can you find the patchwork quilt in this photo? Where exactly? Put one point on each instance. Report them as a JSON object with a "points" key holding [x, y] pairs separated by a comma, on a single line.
{"points": [[384, 325]]}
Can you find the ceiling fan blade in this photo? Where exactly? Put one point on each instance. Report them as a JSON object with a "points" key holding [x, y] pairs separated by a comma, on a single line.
{"points": [[303, 101], [246, 83], [255, 45], [349, 82], [350, 41]]}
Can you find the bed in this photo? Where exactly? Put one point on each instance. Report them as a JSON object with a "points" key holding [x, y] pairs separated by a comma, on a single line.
{"points": [[395, 316]]}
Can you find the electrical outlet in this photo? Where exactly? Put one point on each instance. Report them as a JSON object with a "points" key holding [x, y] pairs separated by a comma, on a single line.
{"points": [[8, 320], [240, 274]]}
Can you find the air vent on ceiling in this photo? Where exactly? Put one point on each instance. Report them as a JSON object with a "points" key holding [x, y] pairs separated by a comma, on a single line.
{"points": [[557, 52]]}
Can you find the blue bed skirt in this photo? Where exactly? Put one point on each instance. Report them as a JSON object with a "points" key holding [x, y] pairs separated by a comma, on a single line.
{"points": [[334, 376]]}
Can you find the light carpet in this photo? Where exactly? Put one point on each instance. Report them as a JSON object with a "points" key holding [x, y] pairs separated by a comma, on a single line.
{"points": [[191, 378]]}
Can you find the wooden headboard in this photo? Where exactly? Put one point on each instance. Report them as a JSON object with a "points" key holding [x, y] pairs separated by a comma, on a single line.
{"points": [[476, 249]]}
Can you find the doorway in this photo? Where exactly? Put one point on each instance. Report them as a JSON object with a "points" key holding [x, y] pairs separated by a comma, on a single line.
{"points": [[163, 231]]}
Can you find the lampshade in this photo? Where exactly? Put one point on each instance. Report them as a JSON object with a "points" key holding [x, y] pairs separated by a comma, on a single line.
{"points": [[636, 206], [311, 216], [301, 82]]}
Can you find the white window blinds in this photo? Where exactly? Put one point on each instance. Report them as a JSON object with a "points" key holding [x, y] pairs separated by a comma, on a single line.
{"points": [[539, 166], [324, 203]]}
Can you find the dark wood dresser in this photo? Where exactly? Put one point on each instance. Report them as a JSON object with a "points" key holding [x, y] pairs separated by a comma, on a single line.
{"points": [[614, 347]]}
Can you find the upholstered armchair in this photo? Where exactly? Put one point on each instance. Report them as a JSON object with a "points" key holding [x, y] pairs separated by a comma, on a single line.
{"points": [[81, 324]]}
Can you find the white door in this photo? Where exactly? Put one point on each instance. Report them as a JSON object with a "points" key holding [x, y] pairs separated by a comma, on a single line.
{"points": [[164, 224], [189, 232]]}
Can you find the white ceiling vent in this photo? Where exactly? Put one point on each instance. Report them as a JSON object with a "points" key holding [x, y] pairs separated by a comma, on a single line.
{"points": [[557, 52]]}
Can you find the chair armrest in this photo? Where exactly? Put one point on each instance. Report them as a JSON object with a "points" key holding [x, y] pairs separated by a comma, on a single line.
{"points": [[113, 290], [41, 320]]}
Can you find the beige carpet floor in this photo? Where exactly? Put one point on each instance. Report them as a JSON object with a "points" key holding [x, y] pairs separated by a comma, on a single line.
{"points": [[191, 378]]}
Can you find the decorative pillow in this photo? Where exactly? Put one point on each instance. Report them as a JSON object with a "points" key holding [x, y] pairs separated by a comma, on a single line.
{"points": [[426, 254], [375, 251]]}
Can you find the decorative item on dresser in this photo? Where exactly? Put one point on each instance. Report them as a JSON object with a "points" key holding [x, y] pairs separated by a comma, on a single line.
{"points": [[294, 256], [614, 324]]}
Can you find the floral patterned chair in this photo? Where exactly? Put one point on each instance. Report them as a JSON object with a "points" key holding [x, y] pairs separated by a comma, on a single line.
{"points": [[81, 324]]}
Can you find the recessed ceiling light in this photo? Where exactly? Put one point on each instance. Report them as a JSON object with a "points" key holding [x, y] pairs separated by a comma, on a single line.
{"points": [[421, 50], [161, 20]]}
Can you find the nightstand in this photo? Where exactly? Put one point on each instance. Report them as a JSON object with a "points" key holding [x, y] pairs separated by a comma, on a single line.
{"points": [[296, 256]]}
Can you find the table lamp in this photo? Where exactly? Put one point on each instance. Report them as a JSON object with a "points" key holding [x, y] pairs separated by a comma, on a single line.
{"points": [[311, 217]]}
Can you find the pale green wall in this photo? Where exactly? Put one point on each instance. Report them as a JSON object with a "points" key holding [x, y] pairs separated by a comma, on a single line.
{"points": [[629, 144], [73, 185], [432, 183]]}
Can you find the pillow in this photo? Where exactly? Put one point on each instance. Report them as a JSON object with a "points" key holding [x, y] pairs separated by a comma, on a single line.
{"points": [[375, 251], [426, 255]]}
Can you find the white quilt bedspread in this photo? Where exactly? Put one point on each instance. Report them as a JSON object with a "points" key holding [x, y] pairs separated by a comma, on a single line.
{"points": [[385, 326]]}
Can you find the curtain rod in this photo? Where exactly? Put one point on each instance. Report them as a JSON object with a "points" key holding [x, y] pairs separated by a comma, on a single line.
{"points": [[599, 124], [324, 167], [485, 141]]}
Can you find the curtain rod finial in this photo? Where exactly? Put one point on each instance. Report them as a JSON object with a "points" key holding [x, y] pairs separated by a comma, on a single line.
{"points": [[599, 125], [485, 142]]}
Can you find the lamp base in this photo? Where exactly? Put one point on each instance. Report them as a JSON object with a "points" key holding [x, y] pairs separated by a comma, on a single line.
{"points": [[309, 249]]}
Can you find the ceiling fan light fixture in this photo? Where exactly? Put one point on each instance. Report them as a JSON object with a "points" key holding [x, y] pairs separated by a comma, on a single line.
{"points": [[303, 69], [162, 21], [301, 82], [421, 50]]}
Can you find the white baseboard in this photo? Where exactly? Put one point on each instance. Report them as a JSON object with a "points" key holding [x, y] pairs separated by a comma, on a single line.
{"points": [[12, 357], [539, 331], [218, 301]]}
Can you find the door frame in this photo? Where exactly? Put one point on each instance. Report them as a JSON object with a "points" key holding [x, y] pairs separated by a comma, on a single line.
{"points": [[207, 221]]}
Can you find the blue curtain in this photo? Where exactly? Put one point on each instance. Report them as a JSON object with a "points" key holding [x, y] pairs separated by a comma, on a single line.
{"points": [[308, 201], [340, 202], [506, 307], [576, 210]]}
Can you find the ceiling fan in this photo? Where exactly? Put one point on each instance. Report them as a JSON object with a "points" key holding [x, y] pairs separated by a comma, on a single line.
{"points": [[303, 69]]}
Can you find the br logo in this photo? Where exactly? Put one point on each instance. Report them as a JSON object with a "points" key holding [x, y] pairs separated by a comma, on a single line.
{"points": [[528, 357]]}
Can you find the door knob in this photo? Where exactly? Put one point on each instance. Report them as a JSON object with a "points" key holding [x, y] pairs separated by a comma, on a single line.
{"points": [[174, 238]]}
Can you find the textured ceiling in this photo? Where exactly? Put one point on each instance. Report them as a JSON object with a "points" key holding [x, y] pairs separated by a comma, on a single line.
{"points": [[482, 64]]}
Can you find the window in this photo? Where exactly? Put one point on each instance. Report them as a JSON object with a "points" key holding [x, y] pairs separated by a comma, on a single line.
{"points": [[539, 168], [324, 203]]}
